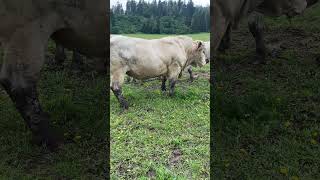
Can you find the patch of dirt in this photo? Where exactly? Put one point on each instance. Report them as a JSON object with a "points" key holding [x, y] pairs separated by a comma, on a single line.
{"points": [[175, 157], [205, 75], [151, 174], [290, 41]]}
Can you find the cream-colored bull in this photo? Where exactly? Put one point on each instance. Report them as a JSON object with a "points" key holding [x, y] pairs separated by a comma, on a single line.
{"points": [[144, 59]]}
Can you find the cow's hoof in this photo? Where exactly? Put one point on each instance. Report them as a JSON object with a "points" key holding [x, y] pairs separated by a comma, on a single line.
{"points": [[258, 61], [51, 141], [171, 94], [124, 107], [123, 110]]}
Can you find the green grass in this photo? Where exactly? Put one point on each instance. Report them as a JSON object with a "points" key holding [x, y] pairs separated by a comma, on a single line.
{"points": [[267, 123], [162, 137], [76, 103], [199, 36]]}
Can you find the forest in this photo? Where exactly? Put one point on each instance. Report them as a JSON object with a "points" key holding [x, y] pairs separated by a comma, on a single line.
{"points": [[159, 17]]}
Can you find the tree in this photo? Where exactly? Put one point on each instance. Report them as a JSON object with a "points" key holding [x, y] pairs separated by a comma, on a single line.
{"points": [[162, 16]]}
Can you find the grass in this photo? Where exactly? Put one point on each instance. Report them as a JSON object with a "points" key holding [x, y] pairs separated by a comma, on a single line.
{"points": [[267, 123], [76, 102], [162, 137], [199, 36]]}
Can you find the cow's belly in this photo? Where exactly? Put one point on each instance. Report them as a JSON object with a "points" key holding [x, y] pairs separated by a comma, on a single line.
{"points": [[147, 70]]}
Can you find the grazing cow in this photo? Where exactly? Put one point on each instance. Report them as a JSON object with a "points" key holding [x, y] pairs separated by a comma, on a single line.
{"points": [[228, 13], [25, 28], [144, 59], [256, 26]]}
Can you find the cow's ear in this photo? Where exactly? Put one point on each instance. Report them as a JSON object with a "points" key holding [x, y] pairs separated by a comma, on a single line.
{"points": [[199, 45]]}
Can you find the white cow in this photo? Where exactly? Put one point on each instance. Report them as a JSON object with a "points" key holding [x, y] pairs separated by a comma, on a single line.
{"points": [[144, 59]]}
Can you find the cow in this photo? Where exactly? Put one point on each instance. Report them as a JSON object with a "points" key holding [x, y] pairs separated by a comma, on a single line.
{"points": [[144, 59], [228, 13], [25, 28], [256, 27]]}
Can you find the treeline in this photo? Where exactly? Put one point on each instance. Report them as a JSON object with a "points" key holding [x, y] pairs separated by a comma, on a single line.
{"points": [[159, 17]]}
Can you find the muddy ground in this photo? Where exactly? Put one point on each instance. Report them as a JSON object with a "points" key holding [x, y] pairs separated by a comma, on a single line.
{"points": [[268, 115]]}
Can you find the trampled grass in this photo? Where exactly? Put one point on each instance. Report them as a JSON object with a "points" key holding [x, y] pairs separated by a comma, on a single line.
{"points": [[162, 137], [267, 123]]}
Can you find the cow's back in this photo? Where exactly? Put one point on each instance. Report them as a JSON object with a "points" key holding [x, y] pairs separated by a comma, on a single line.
{"points": [[85, 21]]}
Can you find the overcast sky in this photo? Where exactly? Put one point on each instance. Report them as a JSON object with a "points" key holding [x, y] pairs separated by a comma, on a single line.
{"points": [[196, 2]]}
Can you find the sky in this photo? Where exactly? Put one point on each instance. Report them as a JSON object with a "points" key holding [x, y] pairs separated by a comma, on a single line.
{"points": [[196, 2]]}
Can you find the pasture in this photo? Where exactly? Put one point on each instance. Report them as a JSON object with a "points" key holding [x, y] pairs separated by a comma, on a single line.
{"points": [[267, 123], [76, 101], [162, 137]]}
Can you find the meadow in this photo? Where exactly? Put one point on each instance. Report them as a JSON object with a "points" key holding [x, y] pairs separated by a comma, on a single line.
{"points": [[162, 137], [76, 101], [267, 116]]}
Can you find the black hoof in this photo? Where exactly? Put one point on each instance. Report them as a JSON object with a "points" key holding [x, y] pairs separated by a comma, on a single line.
{"points": [[52, 141], [124, 107], [258, 60], [171, 94]]}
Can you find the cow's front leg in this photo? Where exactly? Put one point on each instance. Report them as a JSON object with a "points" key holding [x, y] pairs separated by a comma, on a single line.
{"points": [[117, 79], [219, 25], [163, 85], [27, 103], [257, 27], [225, 43], [190, 73], [117, 91], [23, 58]]}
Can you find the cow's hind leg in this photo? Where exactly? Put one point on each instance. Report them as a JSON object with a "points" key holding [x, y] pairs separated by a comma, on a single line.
{"points": [[174, 71], [77, 59], [23, 59], [60, 55], [117, 79], [163, 84], [257, 27]]}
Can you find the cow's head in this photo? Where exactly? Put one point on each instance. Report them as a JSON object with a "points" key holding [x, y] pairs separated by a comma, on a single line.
{"points": [[283, 7], [311, 2], [296, 7], [199, 57]]}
